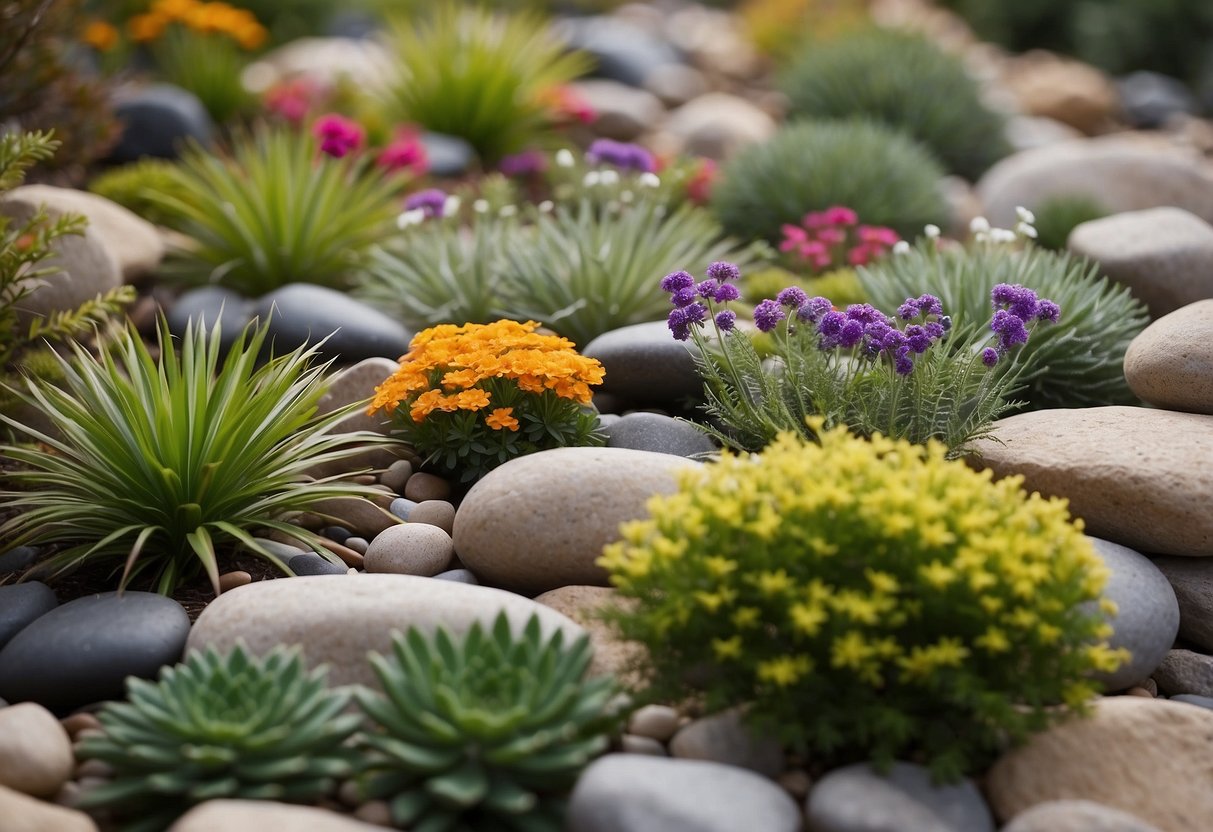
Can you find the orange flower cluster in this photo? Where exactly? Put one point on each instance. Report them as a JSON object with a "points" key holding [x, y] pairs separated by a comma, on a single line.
{"points": [[100, 35], [445, 364], [205, 18]]}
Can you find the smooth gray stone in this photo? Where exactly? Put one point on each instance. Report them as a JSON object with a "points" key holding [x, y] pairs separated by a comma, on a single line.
{"points": [[642, 793], [402, 508], [1193, 699], [645, 366], [663, 434], [459, 576], [447, 155], [18, 559], [303, 313], [856, 798], [1149, 99], [159, 120], [20, 605], [310, 563], [1192, 580], [1183, 671], [622, 51], [208, 304]]}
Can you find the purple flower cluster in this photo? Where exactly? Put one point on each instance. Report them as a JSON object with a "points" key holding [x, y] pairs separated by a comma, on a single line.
{"points": [[622, 155], [691, 299], [874, 334], [524, 164], [431, 201], [1016, 308]]}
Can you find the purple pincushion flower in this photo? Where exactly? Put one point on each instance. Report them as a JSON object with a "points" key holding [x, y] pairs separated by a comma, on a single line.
{"points": [[431, 201], [930, 305], [1019, 300], [812, 310], [526, 163], [707, 289], [989, 356], [677, 280], [831, 324], [1010, 329], [1048, 311], [917, 338], [908, 311], [903, 365], [767, 315], [864, 313], [726, 292], [850, 334], [726, 320], [723, 272], [683, 297], [792, 297], [934, 330], [622, 155], [682, 318]]}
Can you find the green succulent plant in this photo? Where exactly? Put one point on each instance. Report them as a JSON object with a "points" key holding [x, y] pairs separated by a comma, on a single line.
{"points": [[277, 212], [486, 733], [905, 81], [220, 726], [881, 173], [162, 462], [1075, 363]]}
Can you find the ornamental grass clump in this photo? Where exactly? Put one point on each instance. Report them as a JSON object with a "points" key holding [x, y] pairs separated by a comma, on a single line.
{"points": [[472, 397], [488, 732], [163, 463], [867, 599], [220, 727], [908, 375]]}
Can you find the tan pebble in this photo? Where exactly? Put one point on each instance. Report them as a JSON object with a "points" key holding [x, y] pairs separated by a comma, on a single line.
{"points": [[365, 479], [348, 556], [68, 794], [377, 812], [438, 513], [656, 721], [21, 813], [632, 744], [1139, 692], [94, 768], [411, 549], [796, 782], [77, 722], [1150, 685], [230, 580], [348, 793], [35, 751], [358, 544], [396, 475], [423, 486]]}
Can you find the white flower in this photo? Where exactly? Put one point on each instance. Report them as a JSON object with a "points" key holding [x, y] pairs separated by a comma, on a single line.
{"points": [[931, 231], [591, 179], [564, 158], [1025, 230], [1025, 216], [901, 247], [413, 217], [508, 210], [610, 177], [979, 225], [1002, 235], [546, 206], [649, 180], [481, 206], [451, 207], [626, 196]]}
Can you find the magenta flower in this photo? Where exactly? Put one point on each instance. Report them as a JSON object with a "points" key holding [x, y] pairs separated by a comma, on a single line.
{"points": [[406, 151], [840, 215], [524, 164], [338, 135]]}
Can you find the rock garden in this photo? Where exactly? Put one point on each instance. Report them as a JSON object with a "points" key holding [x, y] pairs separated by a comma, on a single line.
{"points": [[444, 415]]}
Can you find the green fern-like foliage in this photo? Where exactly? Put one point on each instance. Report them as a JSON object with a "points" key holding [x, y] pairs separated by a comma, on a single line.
{"points": [[467, 71], [485, 733], [1074, 363], [277, 212], [136, 186], [882, 174], [1057, 216], [905, 81], [220, 726]]}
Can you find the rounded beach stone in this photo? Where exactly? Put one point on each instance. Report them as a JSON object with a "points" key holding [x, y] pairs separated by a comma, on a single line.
{"points": [[645, 365], [339, 622], [357, 514], [1076, 816], [422, 486], [21, 604], [306, 313], [1148, 757], [35, 750], [1192, 580], [22, 813], [459, 576], [643, 793], [265, 815], [1170, 364], [632, 744], [540, 521], [659, 434], [584, 604], [411, 549], [438, 513], [1147, 617], [402, 508], [1183, 671], [230, 580], [310, 563], [656, 721], [82, 652], [1137, 476], [725, 738], [397, 474], [857, 798]]}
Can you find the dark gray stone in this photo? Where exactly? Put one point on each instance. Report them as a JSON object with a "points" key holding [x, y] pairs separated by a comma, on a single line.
{"points": [[447, 155], [208, 304], [1147, 618], [304, 313], [18, 559], [857, 799], [1183, 671], [310, 563], [662, 434], [20, 605], [159, 120], [622, 51], [337, 534], [1193, 699], [459, 576], [645, 366], [82, 652], [1149, 99], [1192, 580], [641, 793]]}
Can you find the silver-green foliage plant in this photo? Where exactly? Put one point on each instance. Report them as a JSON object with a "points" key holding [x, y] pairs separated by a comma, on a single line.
{"points": [[1078, 362], [484, 733], [903, 80], [162, 462], [220, 726], [881, 173], [278, 212]]}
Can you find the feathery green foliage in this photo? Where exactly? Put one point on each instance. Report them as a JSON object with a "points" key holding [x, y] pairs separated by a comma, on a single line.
{"points": [[467, 71], [488, 732], [905, 81], [883, 174], [220, 726], [1057, 216], [1075, 363], [163, 462], [278, 212]]}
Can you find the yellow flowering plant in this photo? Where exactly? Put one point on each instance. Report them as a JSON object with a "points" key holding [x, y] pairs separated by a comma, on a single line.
{"points": [[867, 599], [474, 396]]}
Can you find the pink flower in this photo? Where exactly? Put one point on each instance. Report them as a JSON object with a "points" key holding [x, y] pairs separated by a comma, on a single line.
{"points": [[699, 187], [814, 220], [338, 135], [566, 104], [291, 100], [878, 235], [406, 151], [832, 236], [793, 237], [840, 215]]}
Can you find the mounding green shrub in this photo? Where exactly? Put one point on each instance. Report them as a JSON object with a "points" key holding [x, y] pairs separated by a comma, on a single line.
{"points": [[164, 461], [882, 174], [1076, 363], [1057, 216], [905, 81], [215, 726], [866, 599], [138, 187], [489, 731]]}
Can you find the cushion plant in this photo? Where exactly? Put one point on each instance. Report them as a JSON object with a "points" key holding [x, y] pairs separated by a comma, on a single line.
{"points": [[162, 462]]}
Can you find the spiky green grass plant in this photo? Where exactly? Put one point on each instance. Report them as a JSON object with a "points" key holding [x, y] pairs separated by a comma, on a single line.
{"points": [[484, 733], [905, 81], [467, 71], [881, 173], [278, 212], [220, 726], [163, 462], [1075, 363], [1057, 216]]}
